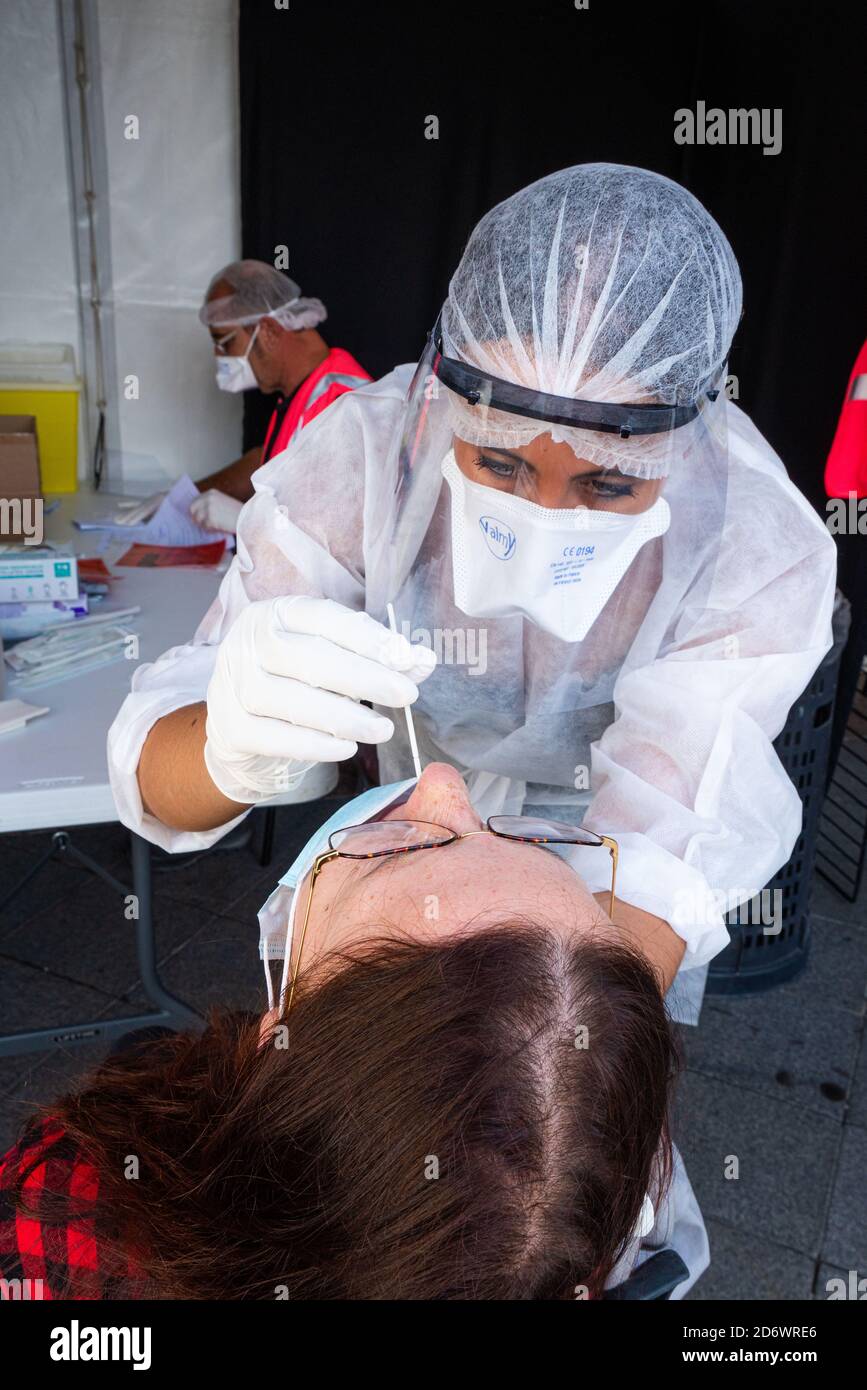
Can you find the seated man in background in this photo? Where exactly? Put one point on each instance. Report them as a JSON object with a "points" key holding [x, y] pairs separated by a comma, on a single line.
{"points": [[264, 334]]}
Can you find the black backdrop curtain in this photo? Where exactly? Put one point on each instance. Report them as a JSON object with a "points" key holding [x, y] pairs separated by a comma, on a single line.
{"points": [[336, 167]]}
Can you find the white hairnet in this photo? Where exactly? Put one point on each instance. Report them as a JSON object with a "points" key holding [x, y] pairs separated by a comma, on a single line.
{"points": [[259, 291], [602, 283]]}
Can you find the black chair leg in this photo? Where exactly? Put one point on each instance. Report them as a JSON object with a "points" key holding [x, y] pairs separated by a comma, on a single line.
{"points": [[266, 848]]}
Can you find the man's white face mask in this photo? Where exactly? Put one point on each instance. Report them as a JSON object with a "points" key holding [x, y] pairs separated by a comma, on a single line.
{"points": [[557, 568], [235, 373]]}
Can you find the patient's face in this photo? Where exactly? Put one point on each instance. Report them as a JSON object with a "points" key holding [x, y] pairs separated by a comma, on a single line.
{"points": [[438, 893]]}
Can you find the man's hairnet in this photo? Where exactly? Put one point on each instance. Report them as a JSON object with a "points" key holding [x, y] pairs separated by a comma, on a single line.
{"points": [[259, 291], [602, 283]]}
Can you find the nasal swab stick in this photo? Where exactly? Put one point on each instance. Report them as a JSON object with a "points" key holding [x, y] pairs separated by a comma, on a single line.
{"points": [[410, 727]]}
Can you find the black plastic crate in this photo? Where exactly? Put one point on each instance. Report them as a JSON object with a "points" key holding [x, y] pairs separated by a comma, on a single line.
{"points": [[842, 846]]}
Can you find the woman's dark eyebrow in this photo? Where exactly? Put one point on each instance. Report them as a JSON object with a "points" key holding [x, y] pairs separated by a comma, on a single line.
{"points": [[517, 458]]}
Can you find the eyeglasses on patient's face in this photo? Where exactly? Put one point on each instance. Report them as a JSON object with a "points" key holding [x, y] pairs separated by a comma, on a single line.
{"points": [[379, 839]]}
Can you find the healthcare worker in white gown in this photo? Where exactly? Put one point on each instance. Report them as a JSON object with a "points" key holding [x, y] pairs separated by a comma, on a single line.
{"points": [[624, 591]]}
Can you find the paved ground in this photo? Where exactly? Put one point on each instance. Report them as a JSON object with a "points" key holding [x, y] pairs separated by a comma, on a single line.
{"points": [[777, 1080]]}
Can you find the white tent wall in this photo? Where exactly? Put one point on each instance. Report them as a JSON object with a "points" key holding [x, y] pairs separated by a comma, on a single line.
{"points": [[175, 218], [38, 277]]}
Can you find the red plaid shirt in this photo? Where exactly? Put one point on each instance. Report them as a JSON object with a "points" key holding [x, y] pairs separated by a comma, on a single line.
{"points": [[44, 1260]]}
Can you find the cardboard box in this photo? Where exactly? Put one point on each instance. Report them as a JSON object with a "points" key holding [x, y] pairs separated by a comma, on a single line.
{"points": [[39, 379], [20, 487], [32, 576]]}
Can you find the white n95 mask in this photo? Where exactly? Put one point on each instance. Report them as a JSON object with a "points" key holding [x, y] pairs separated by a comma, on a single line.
{"points": [[556, 567], [235, 373]]}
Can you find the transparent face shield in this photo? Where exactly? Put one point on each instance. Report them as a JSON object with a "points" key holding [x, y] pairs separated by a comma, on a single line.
{"points": [[627, 421], [623, 449]]}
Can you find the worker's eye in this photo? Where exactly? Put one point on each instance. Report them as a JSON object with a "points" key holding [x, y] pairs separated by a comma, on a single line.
{"points": [[603, 487], [498, 467]]}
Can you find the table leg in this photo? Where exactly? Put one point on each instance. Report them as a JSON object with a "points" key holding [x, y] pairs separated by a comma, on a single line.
{"points": [[157, 994], [170, 1012]]}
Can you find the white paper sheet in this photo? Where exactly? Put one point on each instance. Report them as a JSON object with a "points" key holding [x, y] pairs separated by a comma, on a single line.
{"points": [[171, 524]]}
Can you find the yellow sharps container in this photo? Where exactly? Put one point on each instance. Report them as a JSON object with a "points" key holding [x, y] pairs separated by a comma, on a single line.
{"points": [[39, 379]]}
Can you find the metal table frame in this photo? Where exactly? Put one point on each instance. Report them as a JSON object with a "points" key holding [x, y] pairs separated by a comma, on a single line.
{"points": [[169, 1011]]}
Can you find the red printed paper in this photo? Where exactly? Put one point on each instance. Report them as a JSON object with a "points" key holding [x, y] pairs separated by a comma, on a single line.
{"points": [[150, 557], [94, 569]]}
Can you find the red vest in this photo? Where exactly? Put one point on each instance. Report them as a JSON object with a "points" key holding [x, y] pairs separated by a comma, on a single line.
{"points": [[846, 469], [337, 374]]}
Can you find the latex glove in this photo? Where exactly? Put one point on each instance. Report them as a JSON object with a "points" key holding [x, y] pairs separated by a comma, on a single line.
{"points": [[215, 511], [135, 513], [286, 689]]}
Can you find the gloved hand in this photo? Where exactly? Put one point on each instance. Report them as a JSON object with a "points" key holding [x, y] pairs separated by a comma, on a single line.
{"points": [[285, 691], [215, 511], [135, 513]]}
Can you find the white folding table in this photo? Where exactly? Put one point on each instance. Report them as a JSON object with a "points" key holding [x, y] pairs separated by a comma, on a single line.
{"points": [[54, 774]]}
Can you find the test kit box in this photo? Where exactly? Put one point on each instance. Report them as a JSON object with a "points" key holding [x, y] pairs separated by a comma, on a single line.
{"points": [[31, 576], [20, 488]]}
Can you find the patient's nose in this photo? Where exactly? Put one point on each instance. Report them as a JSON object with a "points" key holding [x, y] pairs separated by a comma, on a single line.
{"points": [[440, 796]]}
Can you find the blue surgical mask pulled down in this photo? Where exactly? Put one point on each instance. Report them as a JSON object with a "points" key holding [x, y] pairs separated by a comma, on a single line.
{"points": [[277, 914]]}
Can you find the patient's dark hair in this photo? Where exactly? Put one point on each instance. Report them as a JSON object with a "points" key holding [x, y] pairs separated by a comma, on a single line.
{"points": [[478, 1119]]}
